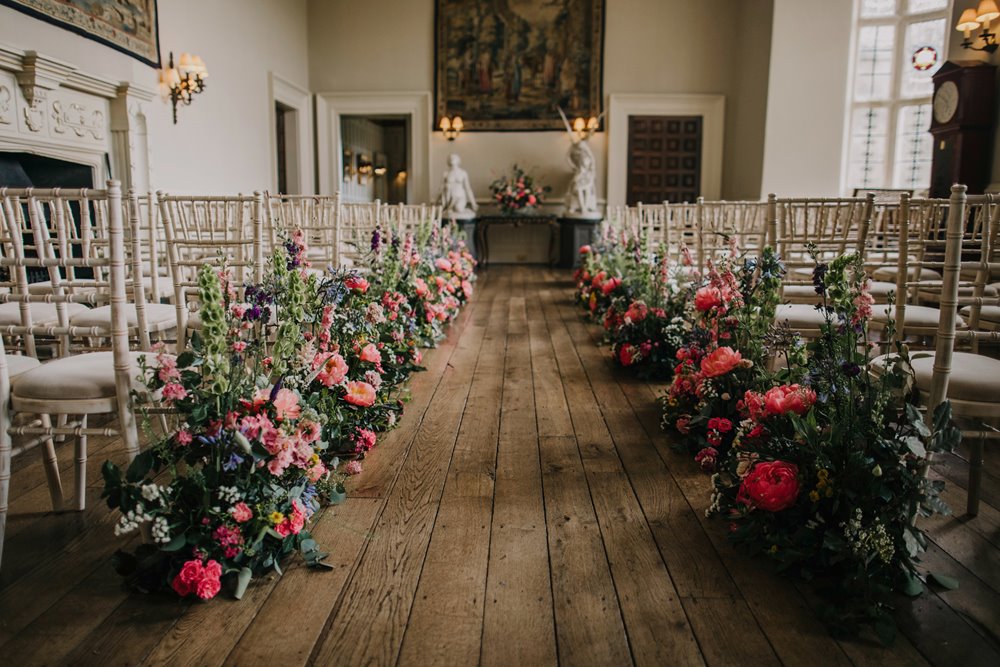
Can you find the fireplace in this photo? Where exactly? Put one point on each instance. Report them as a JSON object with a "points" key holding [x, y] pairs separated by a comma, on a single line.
{"points": [[26, 170]]}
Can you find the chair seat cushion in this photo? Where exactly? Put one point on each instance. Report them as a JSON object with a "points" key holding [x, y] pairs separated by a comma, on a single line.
{"points": [[41, 313], [989, 314], [973, 377], [800, 294], [799, 316], [159, 317], [18, 364], [931, 290], [917, 317], [83, 376], [888, 274]]}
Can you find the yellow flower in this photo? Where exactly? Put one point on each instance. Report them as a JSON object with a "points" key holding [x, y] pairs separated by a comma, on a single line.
{"points": [[277, 517], [822, 473], [773, 549], [829, 493], [814, 496], [821, 484]]}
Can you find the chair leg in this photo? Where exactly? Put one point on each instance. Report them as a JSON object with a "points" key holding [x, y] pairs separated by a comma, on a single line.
{"points": [[975, 475], [5, 448], [51, 464], [81, 467]]}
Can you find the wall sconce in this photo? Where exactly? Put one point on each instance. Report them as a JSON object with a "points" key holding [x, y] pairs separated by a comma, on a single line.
{"points": [[971, 19], [452, 127], [584, 129], [179, 84]]}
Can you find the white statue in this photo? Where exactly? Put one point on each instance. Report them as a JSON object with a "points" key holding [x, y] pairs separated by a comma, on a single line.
{"points": [[581, 196], [457, 200]]}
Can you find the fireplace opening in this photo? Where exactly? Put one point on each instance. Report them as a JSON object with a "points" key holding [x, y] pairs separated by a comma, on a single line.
{"points": [[26, 170]]}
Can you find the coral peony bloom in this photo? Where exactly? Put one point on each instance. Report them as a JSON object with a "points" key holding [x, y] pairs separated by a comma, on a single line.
{"points": [[334, 370], [611, 285], [442, 264], [370, 353], [789, 398], [707, 298], [356, 283], [585, 250], [771, 486], [636, 312], [361, 394], [241, 512], [720, 361], [208, 586], [186, 580], [467, 289], [286, 404]]}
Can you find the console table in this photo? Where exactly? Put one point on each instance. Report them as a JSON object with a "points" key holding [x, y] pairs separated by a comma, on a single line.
{"points": [[483, 224]]}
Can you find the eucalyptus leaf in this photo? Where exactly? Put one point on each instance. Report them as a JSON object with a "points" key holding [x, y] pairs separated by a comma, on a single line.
{"points": [[943, 580]]}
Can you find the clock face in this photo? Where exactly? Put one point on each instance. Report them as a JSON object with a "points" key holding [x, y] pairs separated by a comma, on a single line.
{"points": [[945, 102]]}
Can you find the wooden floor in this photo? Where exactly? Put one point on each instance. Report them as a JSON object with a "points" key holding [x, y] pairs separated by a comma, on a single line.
{"points": [[528, 511]]}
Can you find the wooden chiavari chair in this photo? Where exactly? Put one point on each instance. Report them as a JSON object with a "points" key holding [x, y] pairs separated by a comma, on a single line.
{"points": [[216, 230], [79, 385], [719, 223]]}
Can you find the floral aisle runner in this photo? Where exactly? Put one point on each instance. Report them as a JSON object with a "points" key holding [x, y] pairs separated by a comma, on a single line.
{"points": [[287, 384], [817, 466]]}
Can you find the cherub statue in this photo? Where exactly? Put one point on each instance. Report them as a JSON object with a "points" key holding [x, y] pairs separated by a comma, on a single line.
{"points": [[457, 200]]}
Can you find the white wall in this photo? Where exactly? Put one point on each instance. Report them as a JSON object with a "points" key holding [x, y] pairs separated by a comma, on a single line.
{"points": [[651, 46], [221, 142], [807, 97]]}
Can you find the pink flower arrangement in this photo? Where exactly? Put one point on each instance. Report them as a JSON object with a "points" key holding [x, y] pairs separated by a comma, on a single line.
{"points": [[202, 580]]}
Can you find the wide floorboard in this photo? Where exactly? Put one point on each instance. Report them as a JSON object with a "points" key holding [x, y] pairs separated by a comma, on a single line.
{"points": [[527, 511]]}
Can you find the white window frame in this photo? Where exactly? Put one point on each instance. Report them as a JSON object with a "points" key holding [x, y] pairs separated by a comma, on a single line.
{"points": [[899, 20]]}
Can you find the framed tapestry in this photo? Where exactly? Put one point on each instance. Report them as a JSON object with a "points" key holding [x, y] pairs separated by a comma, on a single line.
{"points": [[126, 25], [507, 64]]}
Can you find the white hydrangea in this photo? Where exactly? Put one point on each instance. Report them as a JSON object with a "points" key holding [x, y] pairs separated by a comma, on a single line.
{"points": [[229, 495], [160, 530], [130, 520], [151, 492]]}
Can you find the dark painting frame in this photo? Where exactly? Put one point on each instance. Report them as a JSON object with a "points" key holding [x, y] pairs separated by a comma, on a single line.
{"points": [[76, 17], [540, 55]]}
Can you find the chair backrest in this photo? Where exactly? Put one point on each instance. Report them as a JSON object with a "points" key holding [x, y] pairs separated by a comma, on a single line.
{"points": [[830, 227], [211, 230], [356, 223], [722, 223], [67, 234], [314, 216]]}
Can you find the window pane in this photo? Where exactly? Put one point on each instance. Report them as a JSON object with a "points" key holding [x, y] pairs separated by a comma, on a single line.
{"points": [[873, 80], [918, 6], [869, 128], [914, 146], [875, 8], [923, 53]]}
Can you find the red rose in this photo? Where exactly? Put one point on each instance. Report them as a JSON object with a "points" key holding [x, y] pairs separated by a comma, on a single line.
{"points": [[187, 579], [585, 250], [771, 486], [611, 285], [356, 283]]}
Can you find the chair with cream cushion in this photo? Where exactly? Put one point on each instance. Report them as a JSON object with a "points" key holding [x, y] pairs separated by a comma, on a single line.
{"points": [[968, 380], [314, 216], [226, 231], [79, 385]]}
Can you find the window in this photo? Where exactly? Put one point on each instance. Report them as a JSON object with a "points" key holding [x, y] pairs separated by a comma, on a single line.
{"points": [[899, 45]]}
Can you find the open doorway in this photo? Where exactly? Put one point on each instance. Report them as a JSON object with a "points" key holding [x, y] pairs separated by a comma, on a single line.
{"points": [[376, 157]]}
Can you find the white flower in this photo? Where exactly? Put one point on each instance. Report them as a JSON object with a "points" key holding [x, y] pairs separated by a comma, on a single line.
{"points": [[151, 492]]}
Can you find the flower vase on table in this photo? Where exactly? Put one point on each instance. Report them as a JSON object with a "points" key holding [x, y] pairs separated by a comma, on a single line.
{"points": [[517, 193]]}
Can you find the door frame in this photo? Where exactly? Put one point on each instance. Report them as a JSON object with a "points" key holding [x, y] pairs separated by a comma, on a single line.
{"points": [[712, 109], [331, 106], [298, 137]]}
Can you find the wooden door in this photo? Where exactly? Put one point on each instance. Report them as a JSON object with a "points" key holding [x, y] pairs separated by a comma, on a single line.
{"points": [[664, 159]]}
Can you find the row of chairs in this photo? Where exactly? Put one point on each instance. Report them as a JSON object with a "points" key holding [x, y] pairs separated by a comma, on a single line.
{"points": [[89, 278], [939, 260]]}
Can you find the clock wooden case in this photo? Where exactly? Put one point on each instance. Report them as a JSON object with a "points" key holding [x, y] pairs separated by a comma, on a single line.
{"points": [[962, 122]]}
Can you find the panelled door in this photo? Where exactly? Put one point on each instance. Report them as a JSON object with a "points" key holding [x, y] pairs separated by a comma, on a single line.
{"points": [[664, 159]]}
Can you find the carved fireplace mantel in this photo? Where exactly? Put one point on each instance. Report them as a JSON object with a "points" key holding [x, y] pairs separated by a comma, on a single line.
{"points": [[50, 107]]}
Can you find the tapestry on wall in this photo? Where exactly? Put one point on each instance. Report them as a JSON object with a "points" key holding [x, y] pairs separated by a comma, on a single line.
{"points": [[126, 25], [507, 64]]}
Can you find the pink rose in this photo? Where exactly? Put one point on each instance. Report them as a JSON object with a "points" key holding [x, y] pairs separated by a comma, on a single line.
{"points": [[186, 580], [208, 586], [356, 283], [706, 458], [771, 486], [720, 361], [789, 398]]}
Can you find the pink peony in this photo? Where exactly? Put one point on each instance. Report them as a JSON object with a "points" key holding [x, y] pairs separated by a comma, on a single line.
{"points": [[771, 486], [334, 370], [467, 289], [720, 361], [370, 353], [610, 286], [241, 512], [442, 264], [361, 394], [789, 398], [707, 298], [364, 439], [637, 312], [356, 283], [286, 405]]}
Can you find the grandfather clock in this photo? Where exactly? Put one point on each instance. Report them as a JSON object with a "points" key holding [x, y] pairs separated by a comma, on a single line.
{"points": [[962, 123]]}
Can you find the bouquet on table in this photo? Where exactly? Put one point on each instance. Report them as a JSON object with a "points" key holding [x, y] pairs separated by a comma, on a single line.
{"points": [[518, 191]]}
